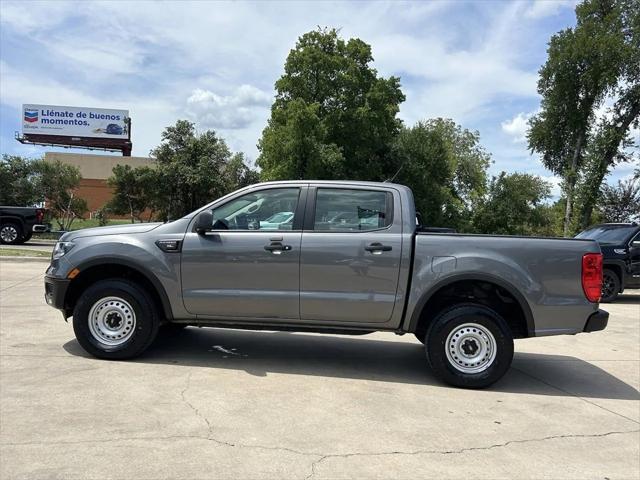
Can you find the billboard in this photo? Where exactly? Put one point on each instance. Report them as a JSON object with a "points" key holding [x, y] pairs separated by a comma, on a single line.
{"points": [[75, 122]]}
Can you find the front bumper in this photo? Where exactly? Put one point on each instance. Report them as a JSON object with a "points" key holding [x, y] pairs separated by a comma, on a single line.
{"points": [[597, 321], [55, 290]]}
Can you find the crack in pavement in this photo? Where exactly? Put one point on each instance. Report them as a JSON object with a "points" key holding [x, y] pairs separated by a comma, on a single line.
{"points": [[192, 407], [462, 450], [210, 429], [322, 457]]}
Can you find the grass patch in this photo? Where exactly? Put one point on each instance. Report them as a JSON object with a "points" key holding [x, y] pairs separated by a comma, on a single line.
{"points": [[18, 252]]}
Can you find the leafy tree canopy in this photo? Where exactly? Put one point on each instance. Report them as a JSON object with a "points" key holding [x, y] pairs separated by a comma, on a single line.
{"points": [[333, 116], [514, 205], [446, 167], [190, 170], [18, 181], [621, 203], [597, 60], [133, 190], [25, 182]]}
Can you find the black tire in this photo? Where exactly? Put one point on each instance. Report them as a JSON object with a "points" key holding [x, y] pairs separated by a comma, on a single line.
{"points": [[10, 233], [449, 321], [610, 286], [27, 237], [147, 319], [420, 337]]}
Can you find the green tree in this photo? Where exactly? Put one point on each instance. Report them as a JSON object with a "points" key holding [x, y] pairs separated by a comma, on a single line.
{"points": [[133, 190], [611, 142], [446, 167], [585, 65], [333, 116], [18, 181], [193, 169], [621, 203], [514, 205], [57, 183], [238, 174]]}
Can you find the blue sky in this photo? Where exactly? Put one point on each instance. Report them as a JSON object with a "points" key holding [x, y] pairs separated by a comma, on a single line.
{"points": [[215, 63]]}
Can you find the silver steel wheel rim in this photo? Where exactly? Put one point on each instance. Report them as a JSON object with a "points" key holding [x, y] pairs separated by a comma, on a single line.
{"points": [[8, 233], [471, 348], [112, 321]]}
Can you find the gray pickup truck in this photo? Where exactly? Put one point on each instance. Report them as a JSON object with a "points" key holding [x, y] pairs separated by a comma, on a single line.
{"points": [[347, 258]]}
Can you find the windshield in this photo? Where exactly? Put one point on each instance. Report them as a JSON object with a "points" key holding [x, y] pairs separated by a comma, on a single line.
{"points": [[608, 234]]}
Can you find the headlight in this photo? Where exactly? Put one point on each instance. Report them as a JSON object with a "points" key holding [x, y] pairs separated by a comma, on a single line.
{"points": [[61, 249]]}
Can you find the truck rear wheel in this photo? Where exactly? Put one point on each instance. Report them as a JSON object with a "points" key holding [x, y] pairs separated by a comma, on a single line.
{"points": [[469, 346], [10, 233], [115, 319]]}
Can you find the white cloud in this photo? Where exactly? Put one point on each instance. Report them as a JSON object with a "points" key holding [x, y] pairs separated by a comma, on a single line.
{"points": [[234, 111], [517, 127], [546, 8], [216, 63]]}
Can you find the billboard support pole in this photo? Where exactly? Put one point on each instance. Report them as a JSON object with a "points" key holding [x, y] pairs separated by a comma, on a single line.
{"points": [[126, 148]]}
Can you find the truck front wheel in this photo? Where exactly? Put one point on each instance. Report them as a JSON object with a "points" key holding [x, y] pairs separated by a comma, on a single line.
{"points": [[469, 346], [115, 319]]}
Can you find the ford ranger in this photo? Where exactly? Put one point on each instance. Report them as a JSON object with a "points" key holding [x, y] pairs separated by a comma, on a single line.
{"points": [[351, 260]]}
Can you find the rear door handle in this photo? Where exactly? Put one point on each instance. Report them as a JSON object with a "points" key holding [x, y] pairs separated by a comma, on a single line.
{"points": [[377, 248], [277, 248]]}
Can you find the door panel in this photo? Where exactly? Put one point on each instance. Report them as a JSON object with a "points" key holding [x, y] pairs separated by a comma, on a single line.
{"points": [[350, 261], [231, 274], [342, 281], [248, 263]]}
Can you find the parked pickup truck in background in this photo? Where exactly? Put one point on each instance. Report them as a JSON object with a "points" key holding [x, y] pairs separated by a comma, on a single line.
{"points": [[620, 244], [17, 224], [351, 261]]}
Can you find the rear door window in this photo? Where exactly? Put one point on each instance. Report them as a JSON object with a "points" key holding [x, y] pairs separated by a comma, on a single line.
{"points": [[346, 210]]}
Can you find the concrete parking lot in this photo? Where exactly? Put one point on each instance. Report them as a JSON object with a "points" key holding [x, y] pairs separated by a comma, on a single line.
{"points": [[233, 404]]}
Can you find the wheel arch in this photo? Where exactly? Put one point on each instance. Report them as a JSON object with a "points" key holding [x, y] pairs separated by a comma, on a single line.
{"points": [[94, 270], [448, 282], [12, 219]]}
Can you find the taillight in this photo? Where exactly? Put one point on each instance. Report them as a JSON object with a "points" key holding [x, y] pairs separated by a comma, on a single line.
{"points": [[39, 215], [592, 276]]}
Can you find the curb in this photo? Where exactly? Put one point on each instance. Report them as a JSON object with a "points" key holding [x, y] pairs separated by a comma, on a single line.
{"points": [[24, 259]]}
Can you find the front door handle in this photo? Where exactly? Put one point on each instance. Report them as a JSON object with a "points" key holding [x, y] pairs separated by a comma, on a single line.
{"points": [[277, 248], [377, 248]]}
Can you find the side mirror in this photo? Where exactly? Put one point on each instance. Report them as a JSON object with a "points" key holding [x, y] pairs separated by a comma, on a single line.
{"points": [[635, 244], [204, 222]]}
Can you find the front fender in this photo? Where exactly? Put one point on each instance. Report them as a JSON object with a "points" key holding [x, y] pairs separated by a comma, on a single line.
{"points": [[161, 269]]}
